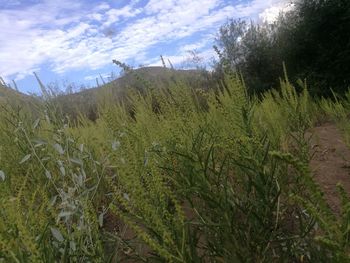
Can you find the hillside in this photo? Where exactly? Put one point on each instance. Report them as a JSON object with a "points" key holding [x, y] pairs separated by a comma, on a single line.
{"points": [[8, 95], [86, 101], [6, 92]]}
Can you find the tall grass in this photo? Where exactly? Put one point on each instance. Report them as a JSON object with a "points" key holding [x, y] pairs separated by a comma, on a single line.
{"points": [[171, 175], [338, 110]]}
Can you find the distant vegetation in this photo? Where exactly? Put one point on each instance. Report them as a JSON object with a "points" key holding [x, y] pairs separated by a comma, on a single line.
{"points": [[313, 40], [138, 80], [166, 165]]}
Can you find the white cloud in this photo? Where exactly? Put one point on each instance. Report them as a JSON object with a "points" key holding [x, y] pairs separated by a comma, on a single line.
{"points": [[271, 14], [194, 46], [103, 6], [184, 59], [65, 35], [38, 36], [114, 15], [105, 77]]}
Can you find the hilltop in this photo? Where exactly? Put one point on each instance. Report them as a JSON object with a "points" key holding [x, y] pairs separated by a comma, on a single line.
{"points": [[8, 94], [139, 80]]}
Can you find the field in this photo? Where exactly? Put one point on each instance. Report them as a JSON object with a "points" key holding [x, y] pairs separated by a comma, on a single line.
{"points": [[180, 174]]}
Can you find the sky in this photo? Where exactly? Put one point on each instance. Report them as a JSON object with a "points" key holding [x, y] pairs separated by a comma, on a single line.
{"points": [[74, 41]]}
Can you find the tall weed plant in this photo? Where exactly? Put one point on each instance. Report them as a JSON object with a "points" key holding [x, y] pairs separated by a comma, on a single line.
{"points": [[179, 174]]}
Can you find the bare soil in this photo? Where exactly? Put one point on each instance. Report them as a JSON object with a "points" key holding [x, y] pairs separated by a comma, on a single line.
{"points": [[330, 163]]}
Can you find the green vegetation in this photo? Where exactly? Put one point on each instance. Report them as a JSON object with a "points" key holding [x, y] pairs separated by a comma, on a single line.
{"points": [[179, 174], [312, 39], [139, 79], [164, 165], [338, 110]]}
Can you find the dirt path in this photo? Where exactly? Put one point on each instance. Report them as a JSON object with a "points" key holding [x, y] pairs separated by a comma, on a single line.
{"points": [[331, 162]]}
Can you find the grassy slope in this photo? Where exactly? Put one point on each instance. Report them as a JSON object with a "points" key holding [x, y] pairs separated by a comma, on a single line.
{"points": [[139, 80], [8, 93]]}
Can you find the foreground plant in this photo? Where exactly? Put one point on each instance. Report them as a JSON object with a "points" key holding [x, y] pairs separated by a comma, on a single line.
{"points": [[171, 175]]}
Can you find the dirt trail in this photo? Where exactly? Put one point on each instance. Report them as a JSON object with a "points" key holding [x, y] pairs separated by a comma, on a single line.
{"points": [[331, 162]]}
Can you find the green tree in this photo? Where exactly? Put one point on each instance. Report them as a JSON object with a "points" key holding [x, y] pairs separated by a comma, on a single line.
{"points": [[319, 48], [249, 49], [313, 39]]}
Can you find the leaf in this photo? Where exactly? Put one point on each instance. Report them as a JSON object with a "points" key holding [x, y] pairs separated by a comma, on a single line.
{"points": [[57, 234], [47, 118], [53, 200], [115, 145], [65, 214], [38, 145], [81, 147], [78, 179], [44, 159], [100, 219], [2, 175], [126, 196], [48, 174], [25, 158], [76, 161], [58, 148], [36, 123], [72, 246], [62, 170], [38, 142], [82, 172]]}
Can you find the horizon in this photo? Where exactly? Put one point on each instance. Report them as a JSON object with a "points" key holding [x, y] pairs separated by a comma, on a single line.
{"points": [[75, 41]]}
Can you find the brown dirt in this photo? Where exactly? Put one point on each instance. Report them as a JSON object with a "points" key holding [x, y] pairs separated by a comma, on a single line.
{"points": [[331, 162], [113, 224]]}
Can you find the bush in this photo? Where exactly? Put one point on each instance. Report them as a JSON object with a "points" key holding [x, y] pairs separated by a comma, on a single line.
{"points": [[182, 183]]}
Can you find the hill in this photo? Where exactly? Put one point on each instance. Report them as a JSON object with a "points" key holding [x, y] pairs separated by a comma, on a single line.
{"points": [[139, 80], [15, 97]]}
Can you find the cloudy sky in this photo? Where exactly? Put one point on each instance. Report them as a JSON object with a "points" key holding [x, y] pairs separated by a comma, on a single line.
{"points": [[76, 40]]}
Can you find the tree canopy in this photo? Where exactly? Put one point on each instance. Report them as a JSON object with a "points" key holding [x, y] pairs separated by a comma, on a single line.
{"points": [[312, 39]]}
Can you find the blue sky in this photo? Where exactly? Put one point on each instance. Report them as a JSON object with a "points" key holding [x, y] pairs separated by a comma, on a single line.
{"points": [[75, 40]]}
